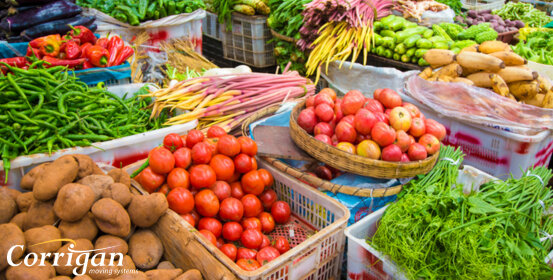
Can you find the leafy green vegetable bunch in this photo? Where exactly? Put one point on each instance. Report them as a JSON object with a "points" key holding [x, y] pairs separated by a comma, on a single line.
{"points": [[286, 17], [538, 47], [525, 12]]}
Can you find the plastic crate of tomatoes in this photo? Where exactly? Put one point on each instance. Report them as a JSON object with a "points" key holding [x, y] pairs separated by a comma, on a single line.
{"points": [[251, 220]]}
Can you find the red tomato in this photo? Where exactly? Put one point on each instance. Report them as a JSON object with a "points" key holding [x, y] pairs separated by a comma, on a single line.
{"points": [[183, 158], [231, 209], [229, 250], [183, 138], [236, 190], [235, 177], [252, 223], [172, 142], [202, 176], [228, 145], [266, 176], [268, 197], [221, 189], [209, 236], [180, 200], [248, 265], [247, 146], [212, 143], [251, 238], [161, 160], [243, 163], [281, 212], [252, 205], [252, 183], [194, 136], [232, 231], [195, 215], [267, 222], [245, 253], [266, 242], [150, 180], [282, 245], [178, 178], [189, 218], [220, 243], [267, 254], [164, 189], [215, 131], [223, 167], [201, 153], [212, 225], [254, 164], [207, 203]]}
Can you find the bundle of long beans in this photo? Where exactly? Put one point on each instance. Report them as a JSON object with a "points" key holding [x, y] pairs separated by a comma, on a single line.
{"points": [[227, 100]]}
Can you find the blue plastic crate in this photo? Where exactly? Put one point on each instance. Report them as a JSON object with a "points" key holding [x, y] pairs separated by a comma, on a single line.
{"points": [[115, 75]]}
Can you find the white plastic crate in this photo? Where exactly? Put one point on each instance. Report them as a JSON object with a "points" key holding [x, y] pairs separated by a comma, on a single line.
{"points": [[479, 5], [211, 26], [248, 41], [122, 151]]}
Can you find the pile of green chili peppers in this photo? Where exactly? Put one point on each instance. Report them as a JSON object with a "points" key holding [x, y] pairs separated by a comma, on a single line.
{"points": [[134, 12], [47, 109]]}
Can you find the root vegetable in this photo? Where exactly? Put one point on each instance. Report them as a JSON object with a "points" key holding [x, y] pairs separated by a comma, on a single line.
{"points": [[438, 58], [510, 58], [481, 79], [11, 192], [536, 100], [28, 180], [82, 277], [120, 176], [452, 70], [165, 265], [19, 219], [191, 274], [111, 217], [145, 248], [10, 235], [133, 276], [548, 100], [60, 172], [489, 47], [86, 165], [118, 192], [61, 278], [514, 74], [98, 183], [145, 210], [80, 245], [107, 271], [8, 207], [480, 61], [85, 228], [73, 202], [463, 80], [499, 86], [42, 234], [163, 274], [24, 201], [37, 271], [113, 244], [41, 213], [524, 89]]}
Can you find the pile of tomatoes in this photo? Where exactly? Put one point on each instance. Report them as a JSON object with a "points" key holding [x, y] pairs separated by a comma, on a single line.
{"points": [[213, 182]]}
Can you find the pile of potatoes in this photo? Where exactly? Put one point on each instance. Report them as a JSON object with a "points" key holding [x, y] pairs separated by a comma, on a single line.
{"points": [[72, 198]]}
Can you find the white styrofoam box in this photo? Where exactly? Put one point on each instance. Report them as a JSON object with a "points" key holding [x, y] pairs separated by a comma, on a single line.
{"points": [[117, 152], [365, 262]]}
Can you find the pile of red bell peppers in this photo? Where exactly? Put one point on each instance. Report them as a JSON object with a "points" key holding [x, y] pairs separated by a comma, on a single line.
{"points": [[79, 49]]}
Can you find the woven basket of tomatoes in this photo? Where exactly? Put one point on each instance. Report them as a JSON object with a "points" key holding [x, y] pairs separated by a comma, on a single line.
{"points": [[234, 216]]}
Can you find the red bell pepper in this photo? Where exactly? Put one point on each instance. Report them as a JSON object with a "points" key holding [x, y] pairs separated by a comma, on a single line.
{"points": [[33, 52], [82, 33], [36, 43], [98, 56], [102, 42], [71, 63], [71, 49], [84, 47], [115, 46], [87, 65], [51, 45], [123, 55]]}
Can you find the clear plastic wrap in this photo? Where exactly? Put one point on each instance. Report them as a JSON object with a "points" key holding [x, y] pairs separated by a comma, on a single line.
{"points": [[479, 106]]}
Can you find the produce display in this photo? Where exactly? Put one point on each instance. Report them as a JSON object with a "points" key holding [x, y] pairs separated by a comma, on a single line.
{"points": [[536, 47], [496, 22], [493, 66], [135, 12], [44, 110], [440, 229], [214, 184], [36, 18], [96, 211], [525, 12], [225, 8], [383, 128], [415, 9]]}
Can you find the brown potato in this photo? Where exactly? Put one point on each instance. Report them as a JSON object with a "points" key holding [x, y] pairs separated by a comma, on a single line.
{"points": [[8, 207], [109, 271], [29, 179], [77, 260], [138, 275], [191, 274], [165, 265], [145, 210], [118, 192], [19, 219], [120, 176], [42, 234], [98, 183], [24, 201], [11, 192], [40, 213], [10, 235], [113, 245], [82, 277], [111, 217], [35, 270], [145, 249], [163, 274], [61, 278], [86, 165], [62, 171], [84, 228], [73, 202]]}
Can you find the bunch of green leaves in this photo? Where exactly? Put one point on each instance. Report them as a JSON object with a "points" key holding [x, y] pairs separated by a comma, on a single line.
{"points": [[288, 52], [174, 74], [435, 231], [455, 5], [286, 17]]}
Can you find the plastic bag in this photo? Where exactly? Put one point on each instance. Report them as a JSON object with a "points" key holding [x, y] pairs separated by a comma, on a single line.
{"points": [[479, 106], [364, 78], [429, 18]]}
